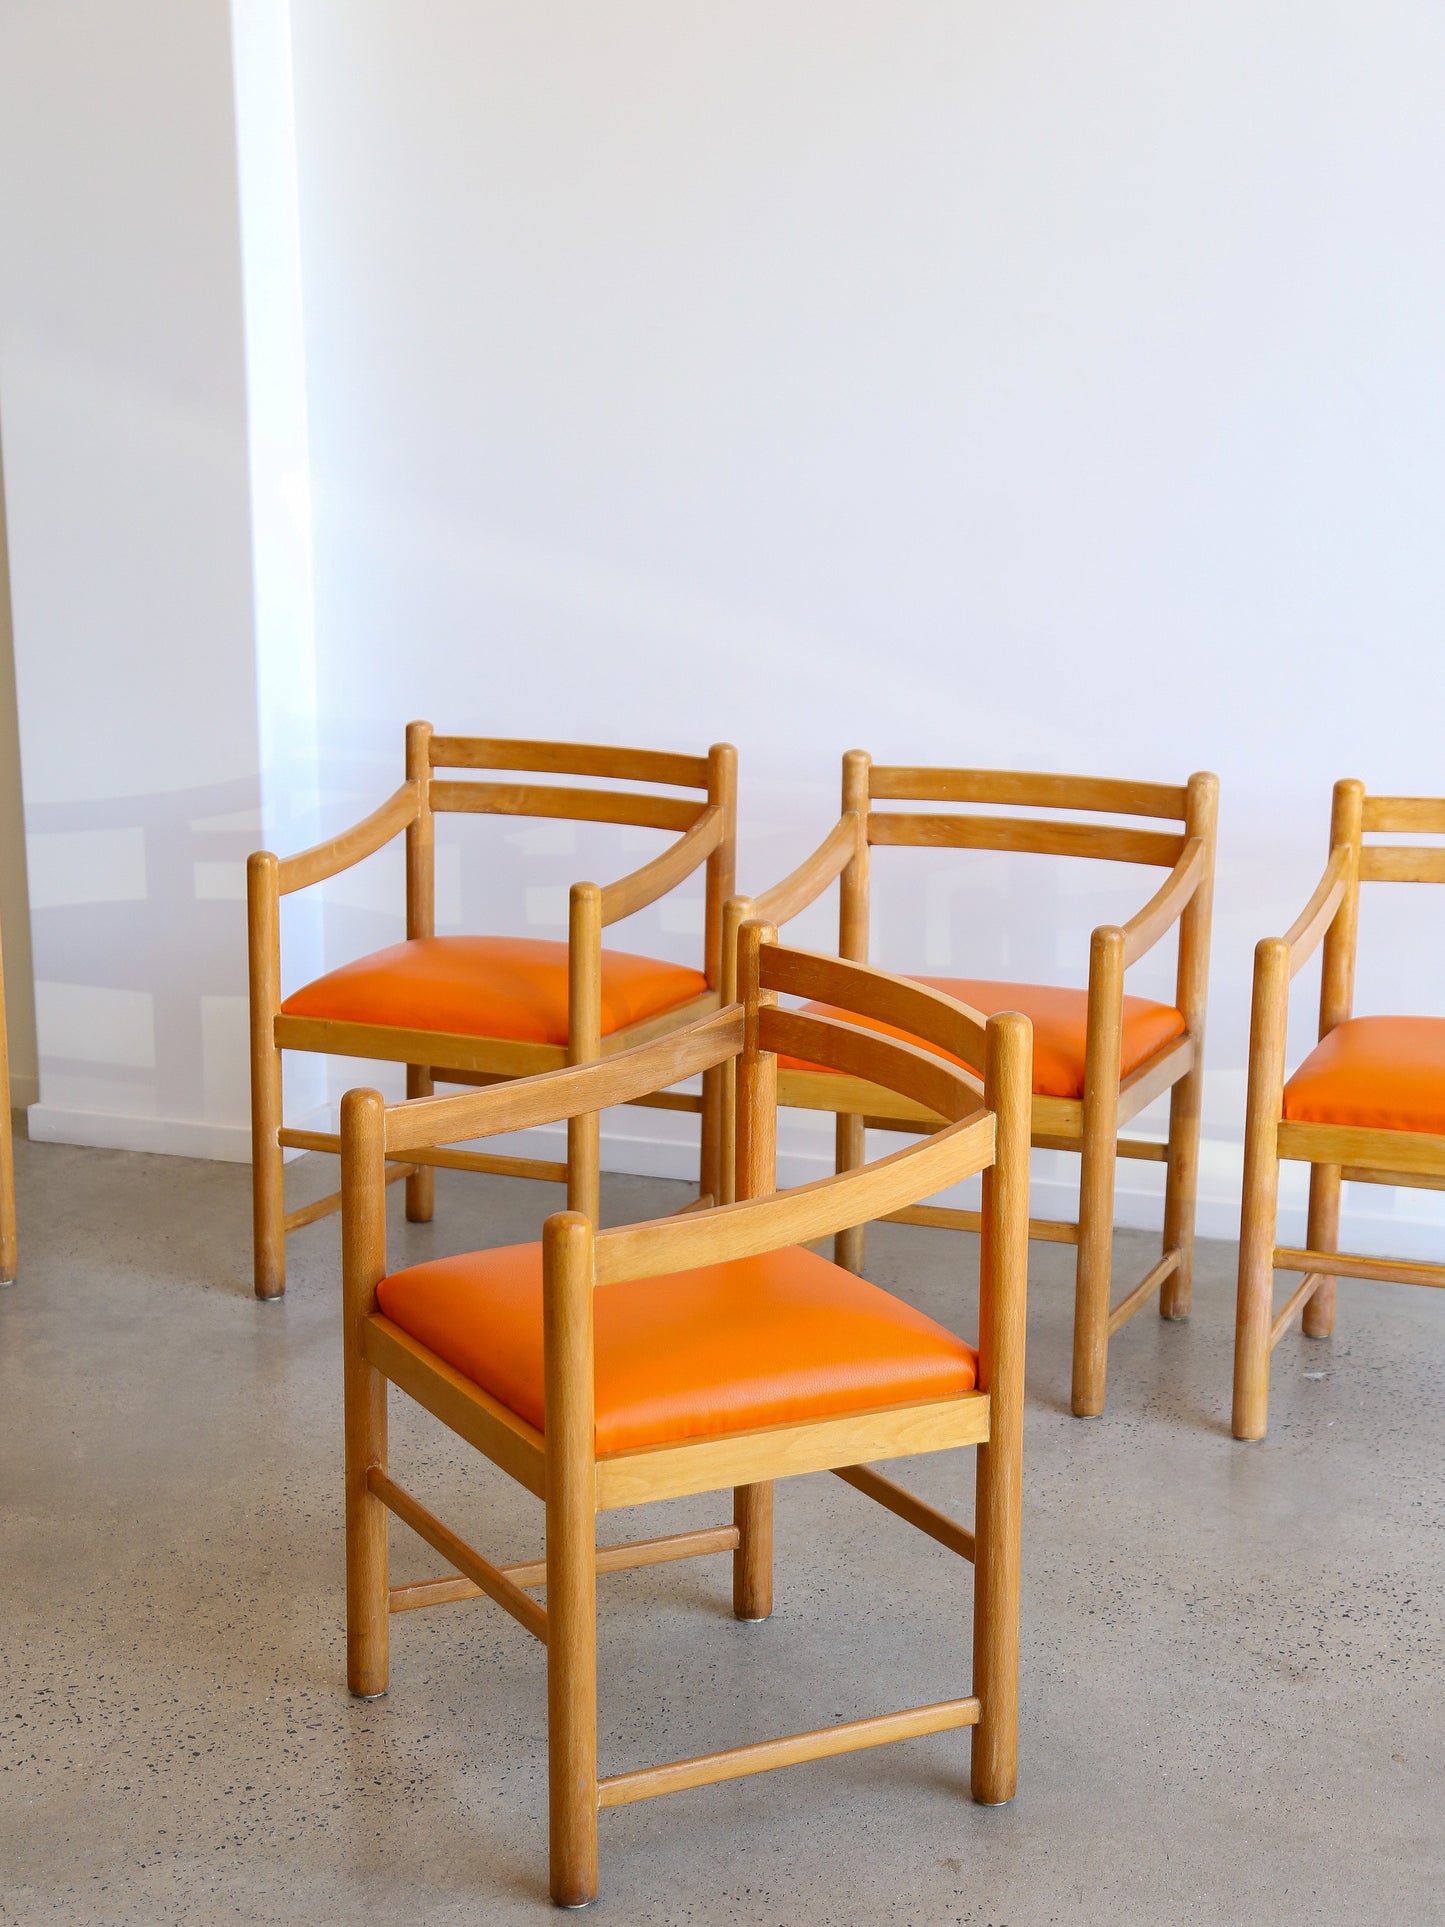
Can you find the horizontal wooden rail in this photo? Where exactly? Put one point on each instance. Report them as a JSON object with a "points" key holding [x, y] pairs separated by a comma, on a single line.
{"points": [[898, 1499], [533, 1572], [494, 1164], [1298, 1298], [1121, 1313], [324, 1207], [1410, 1155], [619, 1789], [1031, 836], [569, 759], [907, 1070], [578, 806], [1027, 789], [362, 840], [927, 1015], [1401, 863], [1349, 1264], [634, 892], [941, 1217], [484, 1575]]}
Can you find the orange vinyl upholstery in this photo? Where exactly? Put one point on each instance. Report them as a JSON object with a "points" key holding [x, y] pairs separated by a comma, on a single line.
{"points": [[759, 1341], [1384, 1073], [513, 987], [1060, 1021]]}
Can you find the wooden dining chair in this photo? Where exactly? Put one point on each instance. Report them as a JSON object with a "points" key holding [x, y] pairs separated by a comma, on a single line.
{"points": [[696, 1353], [1100, 1057], [1367, 1105], [9, 1255], [480, 1010]]}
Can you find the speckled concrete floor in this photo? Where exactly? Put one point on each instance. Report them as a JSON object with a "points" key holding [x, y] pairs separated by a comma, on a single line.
{"points": [[1234, 1656]]}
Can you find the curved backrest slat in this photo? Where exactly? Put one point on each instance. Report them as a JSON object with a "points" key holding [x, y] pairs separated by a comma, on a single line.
{"points": [[911, 1007], [943, 1088], [800, 1215]]}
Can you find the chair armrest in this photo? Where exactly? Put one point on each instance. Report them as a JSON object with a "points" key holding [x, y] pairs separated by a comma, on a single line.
{"points": [[640, 887], [1168, 903], [787, 899], [363, 839], [1307, 931]]}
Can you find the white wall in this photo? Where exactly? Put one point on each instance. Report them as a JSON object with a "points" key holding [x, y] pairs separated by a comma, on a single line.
{"points": [[123, 406], [1051, 385], [1044, 385]]}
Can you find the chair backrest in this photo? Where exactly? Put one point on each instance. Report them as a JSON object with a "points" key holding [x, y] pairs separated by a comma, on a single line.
{"points": [[1354, 815], [706, 827], [984, 1125]]}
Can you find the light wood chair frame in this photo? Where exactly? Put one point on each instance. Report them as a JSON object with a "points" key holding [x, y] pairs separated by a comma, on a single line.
{"points": [[9, 1249], [706, 835], [986, 1130], [1091, 1125], [1335, 1153]]}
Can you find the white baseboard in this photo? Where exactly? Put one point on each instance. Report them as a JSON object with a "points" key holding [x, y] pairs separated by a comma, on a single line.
{"points": [[108, 1131], [1407, 1224]]}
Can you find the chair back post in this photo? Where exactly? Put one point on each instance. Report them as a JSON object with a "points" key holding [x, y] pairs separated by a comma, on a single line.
{"points": [[1003, 1291], [363, 1266], [853, 884], [568, 1282], [1201, 819], [8, 1254], [263, 944], [757, 1074], [721, 875], [420, 836], [584, 1040], [1337, 960]]}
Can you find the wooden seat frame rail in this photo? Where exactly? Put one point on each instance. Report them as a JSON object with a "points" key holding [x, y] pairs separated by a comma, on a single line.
{"points": [[9, 1256], [562, 1467], [1335, 1153], [1090, 1125], [706, 835]]}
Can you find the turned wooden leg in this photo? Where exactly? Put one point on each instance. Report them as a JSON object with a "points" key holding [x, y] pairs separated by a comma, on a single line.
{"points": [[753, 1559], [848, 1245], [421, 1185], [1181, 1191], [1323, 1235]]}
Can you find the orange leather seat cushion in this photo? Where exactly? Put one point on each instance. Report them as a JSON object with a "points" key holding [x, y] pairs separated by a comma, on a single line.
{"points": [[514, 987], [1060, 1021], [757, 1341], [1386, 1073]]}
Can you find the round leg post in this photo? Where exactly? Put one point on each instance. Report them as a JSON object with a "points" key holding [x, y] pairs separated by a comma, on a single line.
{"points": [[1323, 1235], [753, 1559], [421, 1187], [1181, 1190]]}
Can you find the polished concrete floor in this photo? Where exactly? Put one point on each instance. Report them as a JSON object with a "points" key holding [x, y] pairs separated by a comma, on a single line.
{"points": [[1234, 1656]]}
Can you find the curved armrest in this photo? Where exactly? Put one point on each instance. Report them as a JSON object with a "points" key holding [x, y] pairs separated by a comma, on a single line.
{"points": [[1168, 903], [807, 883], [363, 839], [1306, 932], [640, 887]]}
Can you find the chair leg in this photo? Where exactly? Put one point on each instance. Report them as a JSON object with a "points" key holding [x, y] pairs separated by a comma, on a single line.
{"points": [[9, 1256], [710, 1153], [584, 1158], [421, 1188], [848, 1245], [1181, 1190], [753, 1559], [1254, 1310], [368, 1629], [268, 1168], [572, 1694], [993, 1771], [1323, 1235], [1094, 1269]]}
